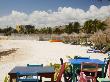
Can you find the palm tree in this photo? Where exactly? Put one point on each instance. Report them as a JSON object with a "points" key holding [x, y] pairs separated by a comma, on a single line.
{"points": [[88, 26], [76, 27], [49, 30], [69, 28], [57, 31], [92, 26], [7, 31]]}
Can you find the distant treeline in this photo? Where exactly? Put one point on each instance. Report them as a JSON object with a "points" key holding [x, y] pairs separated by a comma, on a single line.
{"points": [[89, 27]]}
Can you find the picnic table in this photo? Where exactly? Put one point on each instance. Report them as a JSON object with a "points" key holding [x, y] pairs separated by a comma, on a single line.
{"points": [[45, 71], [76, 64]]}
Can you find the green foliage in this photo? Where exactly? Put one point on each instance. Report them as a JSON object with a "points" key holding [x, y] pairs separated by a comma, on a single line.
{"points": [[43, 31], [29, 29], [76, 27], [87, 26], [69, 28], [92, 26], [6, 79], [72, 27], [7, 31], [49, 30], [57, 31]]}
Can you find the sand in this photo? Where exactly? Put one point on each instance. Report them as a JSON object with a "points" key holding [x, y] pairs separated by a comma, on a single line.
{"points": [[38, 52]]}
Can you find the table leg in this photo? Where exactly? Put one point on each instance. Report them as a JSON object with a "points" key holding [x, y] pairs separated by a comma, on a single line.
{"points": [[40, 79], [10, 78], [73, 71], [102, 71], [52, 78]]}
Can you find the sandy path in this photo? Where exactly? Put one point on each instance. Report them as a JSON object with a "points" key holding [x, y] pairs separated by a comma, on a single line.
{"points": [[36, 52]]}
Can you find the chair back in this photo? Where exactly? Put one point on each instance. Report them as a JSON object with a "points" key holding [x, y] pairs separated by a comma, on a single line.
{"points": [[109, 69], [106, 67], [23, 78], [82, 77], [61, 72], [61, 60], [32, 65], [89, 67]]}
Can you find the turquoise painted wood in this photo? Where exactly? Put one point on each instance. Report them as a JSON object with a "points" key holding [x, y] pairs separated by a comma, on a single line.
{"points": [[76, 64], [103, 79], [18, 79], [32, 65], [106, 79]]}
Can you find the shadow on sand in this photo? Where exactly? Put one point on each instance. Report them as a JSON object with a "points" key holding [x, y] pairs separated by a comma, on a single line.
{"points": [[7, 52]]}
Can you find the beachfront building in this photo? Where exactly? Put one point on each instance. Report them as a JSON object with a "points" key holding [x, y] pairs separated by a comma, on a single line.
{"points": [[20, 28]]}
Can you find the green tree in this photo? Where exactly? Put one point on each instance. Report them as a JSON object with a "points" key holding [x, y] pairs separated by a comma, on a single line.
{"points": [[102, 26], [49, 30], [6, 79], [29, 29], [69, 28], [43, 30], [57, 31], [37, 31], [92, 26], [88, 26], [7, 31], [76, 27]]}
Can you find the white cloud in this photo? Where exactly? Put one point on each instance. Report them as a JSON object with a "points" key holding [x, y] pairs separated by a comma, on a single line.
{"points": [[52, 18]]}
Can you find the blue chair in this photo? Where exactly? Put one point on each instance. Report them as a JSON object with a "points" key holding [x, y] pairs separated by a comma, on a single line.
{"points": [[107, 78], [36, 65], [79, 57], [22, 78]]}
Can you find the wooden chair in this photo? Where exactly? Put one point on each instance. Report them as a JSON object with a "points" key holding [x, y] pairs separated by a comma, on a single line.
{"points": [[99, 73], [68, 72], [59, 75], [35, 65], [20, 78], [91, 70], [107, 78]]}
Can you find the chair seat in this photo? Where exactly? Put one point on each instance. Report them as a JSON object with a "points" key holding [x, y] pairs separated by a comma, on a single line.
{"points": [[88, 71], [90, 77], [50, 81], [28, 80], [103, 79]]}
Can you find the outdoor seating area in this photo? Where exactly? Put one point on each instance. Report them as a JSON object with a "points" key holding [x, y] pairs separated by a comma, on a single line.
{"points": [[77, 69]]}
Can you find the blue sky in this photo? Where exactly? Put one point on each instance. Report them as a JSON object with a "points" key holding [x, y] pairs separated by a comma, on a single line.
{"points": [[51, 12], [6, 6]]}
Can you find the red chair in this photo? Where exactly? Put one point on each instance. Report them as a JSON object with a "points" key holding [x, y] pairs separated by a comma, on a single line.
{"points": [[59, 75], [82, 77], [88, 72]]}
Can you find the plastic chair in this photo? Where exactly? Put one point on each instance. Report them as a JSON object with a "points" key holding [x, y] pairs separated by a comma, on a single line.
{"points": [[90, 71]]}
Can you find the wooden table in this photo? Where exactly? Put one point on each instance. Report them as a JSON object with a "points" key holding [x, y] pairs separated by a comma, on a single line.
{"points": [[47, 72], [76, 64]]}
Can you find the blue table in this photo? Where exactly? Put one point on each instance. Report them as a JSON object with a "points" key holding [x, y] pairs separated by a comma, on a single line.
{"points": [[40, 71], [76, 64]]}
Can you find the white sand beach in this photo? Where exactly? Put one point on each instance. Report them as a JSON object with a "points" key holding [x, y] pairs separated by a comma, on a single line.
{"points": [[39, 52]]}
